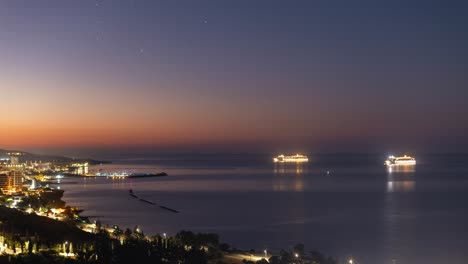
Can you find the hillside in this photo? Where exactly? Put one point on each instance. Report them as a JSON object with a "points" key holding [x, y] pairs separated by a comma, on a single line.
{"points": [[26, 156]]}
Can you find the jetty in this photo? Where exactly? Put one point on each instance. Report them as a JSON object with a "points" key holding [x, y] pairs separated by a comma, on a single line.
{"points": [[152, 203]]}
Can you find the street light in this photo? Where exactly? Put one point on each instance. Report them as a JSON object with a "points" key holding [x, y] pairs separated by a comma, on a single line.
{"points": [[297, 255], [351, 261], [266, 253]]}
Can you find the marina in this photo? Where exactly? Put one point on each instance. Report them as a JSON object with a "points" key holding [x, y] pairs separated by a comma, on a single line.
{"points": [[128, 175]]}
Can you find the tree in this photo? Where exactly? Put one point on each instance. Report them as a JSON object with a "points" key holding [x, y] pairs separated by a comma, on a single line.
{"points": [[128, 233], [98, 226], [299, 249], [103, 247], [117, 231], [285, 256], [224, 247], [318, 258], [137, 233], [275, 260], [195, 256]]}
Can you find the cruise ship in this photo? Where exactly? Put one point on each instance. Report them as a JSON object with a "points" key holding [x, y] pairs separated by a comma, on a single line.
{"points": [[404, 160], [294, 158]]}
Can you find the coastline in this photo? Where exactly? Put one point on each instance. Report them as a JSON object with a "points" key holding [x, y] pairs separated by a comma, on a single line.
{"points": [[226, 254]]}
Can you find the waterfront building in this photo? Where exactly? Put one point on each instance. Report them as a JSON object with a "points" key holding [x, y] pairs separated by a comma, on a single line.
{"points": [[80, 168], [11, 181], [3, 180], [15, 179]]}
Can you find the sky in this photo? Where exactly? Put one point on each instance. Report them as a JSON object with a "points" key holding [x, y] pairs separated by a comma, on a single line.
{"points": [[322, 75]]}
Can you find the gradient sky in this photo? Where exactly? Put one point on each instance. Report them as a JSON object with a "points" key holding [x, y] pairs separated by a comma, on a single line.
{"points": [[380, 75]]}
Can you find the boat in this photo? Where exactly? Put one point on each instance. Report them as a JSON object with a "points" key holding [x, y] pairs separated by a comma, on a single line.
{"points": [[400, 161], [298, 158], [144, 175]]}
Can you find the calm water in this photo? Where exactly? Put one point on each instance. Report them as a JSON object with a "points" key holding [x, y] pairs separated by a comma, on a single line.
{"points": [[357, 208]]}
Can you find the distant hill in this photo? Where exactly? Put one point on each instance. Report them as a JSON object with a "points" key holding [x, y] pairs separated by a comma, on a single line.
{"points": [[26, 156]]}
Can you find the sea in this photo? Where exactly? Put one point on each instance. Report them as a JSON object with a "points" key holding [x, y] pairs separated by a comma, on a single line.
{"points": [[343, 205]]}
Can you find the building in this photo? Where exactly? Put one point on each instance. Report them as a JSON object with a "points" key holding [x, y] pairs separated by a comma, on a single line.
{"points": [[80, 168], [11, 181], [3, 180], [14, 160], [15, 179]]}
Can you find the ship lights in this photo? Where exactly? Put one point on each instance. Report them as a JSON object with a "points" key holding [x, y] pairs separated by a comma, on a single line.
{"points": [[297, 158]]}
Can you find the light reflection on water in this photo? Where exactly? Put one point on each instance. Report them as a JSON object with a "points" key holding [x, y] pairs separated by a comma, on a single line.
{"points": [[401, 186], [283, 173], [401, 168], [401, 178]]}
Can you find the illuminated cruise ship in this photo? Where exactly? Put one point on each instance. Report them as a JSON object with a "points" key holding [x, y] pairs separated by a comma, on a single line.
{"points": [[405, 160], [295, 158]]}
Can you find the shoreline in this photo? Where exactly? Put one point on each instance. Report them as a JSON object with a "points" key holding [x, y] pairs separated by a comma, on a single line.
{"points": [[126, 176], [230, 256]]}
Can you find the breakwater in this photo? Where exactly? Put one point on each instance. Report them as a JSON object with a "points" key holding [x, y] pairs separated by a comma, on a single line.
{"points": [[152, 203]]}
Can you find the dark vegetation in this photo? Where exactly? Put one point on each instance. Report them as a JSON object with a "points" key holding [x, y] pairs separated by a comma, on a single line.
{"points": [[297, 255], [18, 228], [43, 239], [47, 238]]}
